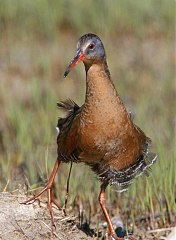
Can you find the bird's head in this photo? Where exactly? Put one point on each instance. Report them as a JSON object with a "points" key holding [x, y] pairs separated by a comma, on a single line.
{"points": [[90, 50]]}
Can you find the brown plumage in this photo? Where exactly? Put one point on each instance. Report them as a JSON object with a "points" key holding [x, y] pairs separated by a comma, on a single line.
{"points": [[100, 133]]}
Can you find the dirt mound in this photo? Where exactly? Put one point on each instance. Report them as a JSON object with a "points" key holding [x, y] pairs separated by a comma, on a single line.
{"points": [[20, 221]]}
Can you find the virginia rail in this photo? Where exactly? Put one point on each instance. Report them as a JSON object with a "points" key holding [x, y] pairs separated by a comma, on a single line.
{"points": [[100, 133]]}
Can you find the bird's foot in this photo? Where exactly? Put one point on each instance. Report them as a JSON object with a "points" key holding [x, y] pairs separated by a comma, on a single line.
{"points": [[51, 200]]}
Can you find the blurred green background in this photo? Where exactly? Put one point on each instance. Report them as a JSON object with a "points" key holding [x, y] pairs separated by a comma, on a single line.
{"points": [[37, 41]]}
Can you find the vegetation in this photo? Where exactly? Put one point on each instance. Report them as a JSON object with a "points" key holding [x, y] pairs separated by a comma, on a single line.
{"points": [[38, 39]]}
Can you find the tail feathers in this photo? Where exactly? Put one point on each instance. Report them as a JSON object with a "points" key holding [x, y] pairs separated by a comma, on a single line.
{"points": [[68, 105], [122, 179], [149, 160], [71, 108]]}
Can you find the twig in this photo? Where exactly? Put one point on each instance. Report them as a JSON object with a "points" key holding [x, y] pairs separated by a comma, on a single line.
{"points": [[5, 188], [161, 230], [65, 219], [67, 191], [55, 234]]}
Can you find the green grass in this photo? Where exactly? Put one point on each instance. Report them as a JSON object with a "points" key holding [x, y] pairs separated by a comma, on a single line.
{"points": [[38, 39]]}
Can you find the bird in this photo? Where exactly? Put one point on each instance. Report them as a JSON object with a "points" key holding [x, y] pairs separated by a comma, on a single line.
{"points": [[100, 133]]}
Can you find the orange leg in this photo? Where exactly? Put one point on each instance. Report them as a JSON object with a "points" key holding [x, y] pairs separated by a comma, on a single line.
{"points": [[102, 201], [48, 189]]}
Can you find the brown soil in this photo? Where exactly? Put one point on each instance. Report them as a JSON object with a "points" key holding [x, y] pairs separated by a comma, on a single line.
{"points": [[20, 221], [33, 221]]}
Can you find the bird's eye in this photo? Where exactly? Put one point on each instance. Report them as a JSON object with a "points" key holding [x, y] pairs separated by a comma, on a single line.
{"points": [[91, 46]]}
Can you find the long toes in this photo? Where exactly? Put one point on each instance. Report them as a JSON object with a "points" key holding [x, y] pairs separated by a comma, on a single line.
{"points": [[51, 212], [30, 200], [53, 227], [53, 200], [36, 196]]}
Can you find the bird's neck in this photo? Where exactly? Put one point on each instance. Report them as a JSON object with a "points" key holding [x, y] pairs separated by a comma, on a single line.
{"points": [[103, 107], [100, 89]]}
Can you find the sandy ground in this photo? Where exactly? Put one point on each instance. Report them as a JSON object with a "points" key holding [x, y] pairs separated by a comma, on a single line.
{"points": [[20, 221], [32, 221]]}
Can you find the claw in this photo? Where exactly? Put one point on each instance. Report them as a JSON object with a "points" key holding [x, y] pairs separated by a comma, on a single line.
{"points": [[48, 189]]}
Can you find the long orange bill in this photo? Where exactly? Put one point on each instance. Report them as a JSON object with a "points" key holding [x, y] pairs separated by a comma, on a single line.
{"points": [[77, 58]]}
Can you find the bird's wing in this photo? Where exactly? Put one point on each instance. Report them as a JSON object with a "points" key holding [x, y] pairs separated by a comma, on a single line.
{"points": [[68, 128]]}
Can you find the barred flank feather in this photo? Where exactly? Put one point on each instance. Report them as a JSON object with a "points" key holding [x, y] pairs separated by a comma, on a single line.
{"points": [[122, 179]]}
